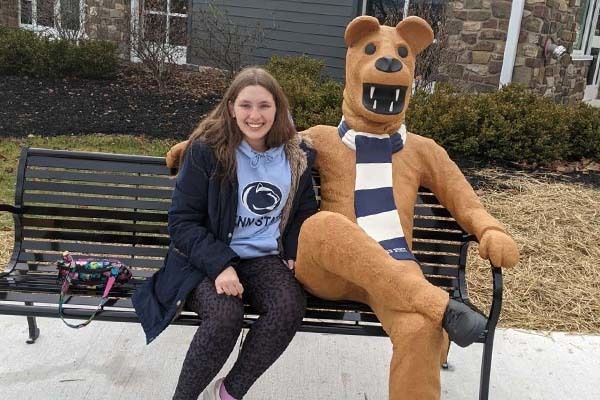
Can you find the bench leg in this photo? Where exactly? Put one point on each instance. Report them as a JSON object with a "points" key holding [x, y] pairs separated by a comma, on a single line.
{"points": [[34, 331], [486, 367]]}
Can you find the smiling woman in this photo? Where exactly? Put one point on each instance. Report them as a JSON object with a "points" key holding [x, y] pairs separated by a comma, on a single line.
{"points": [[242, 192]]}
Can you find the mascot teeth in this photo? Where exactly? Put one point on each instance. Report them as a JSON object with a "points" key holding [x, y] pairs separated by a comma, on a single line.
{"points": [[387, 99]]}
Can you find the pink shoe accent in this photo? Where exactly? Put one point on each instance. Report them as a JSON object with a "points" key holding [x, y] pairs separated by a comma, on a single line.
{"points": [[223, 393]]}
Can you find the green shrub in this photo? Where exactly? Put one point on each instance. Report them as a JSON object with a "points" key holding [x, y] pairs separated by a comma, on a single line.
{"points": [[512, 124], [25, 53], [96, 59], [22, 53], [314, 99]]}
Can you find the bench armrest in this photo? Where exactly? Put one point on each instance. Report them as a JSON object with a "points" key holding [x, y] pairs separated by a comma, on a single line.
{"points": [[496, 305], [497, 288], [11, 209]]}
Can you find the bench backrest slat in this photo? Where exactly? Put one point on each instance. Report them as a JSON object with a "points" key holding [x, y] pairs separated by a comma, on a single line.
{"points": [[73, 199], [113, 215], [39, 246], [96, 226], [102, 189], [85, 163], [97, 177]]}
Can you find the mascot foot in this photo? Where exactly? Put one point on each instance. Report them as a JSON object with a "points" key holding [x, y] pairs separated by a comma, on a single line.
{"points": [[463, 324]]}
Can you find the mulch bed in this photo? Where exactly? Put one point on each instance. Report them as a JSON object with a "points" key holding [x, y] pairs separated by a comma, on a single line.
{"points": [[129, 104]]}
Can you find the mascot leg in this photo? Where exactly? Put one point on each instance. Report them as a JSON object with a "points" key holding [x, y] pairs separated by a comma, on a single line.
{"points": [[415, 366], [338, 260]]}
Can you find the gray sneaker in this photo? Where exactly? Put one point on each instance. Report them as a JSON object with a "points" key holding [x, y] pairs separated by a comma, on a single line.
{"points": [[212, 391], [463, 324]]}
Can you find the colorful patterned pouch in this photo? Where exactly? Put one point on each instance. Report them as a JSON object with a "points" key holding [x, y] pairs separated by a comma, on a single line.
{"points": [[88, 272]]}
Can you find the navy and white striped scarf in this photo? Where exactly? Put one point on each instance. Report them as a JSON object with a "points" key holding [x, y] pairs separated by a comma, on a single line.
{"points": [[374, 204]]}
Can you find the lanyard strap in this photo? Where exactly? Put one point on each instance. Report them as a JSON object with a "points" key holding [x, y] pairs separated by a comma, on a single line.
{"points": [[65, 288]]}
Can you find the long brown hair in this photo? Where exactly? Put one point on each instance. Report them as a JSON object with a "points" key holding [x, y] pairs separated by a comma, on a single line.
{"points": [[220, 131]]}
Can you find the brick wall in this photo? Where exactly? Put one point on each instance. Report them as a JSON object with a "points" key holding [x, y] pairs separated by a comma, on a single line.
{"points": [[562, 80], [9, 13]]}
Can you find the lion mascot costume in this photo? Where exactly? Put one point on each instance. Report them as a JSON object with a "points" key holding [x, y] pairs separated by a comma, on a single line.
{"points": [[358, 246]]}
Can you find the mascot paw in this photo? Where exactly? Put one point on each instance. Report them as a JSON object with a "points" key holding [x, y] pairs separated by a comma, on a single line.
{"points": [[499, 248], [175, 153]]}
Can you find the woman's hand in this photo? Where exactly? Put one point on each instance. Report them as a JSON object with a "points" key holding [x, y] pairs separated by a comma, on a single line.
{"points": [[228, 282]]}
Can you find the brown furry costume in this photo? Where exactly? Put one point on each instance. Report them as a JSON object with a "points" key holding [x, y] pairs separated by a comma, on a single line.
{"points": [[338, 260]]}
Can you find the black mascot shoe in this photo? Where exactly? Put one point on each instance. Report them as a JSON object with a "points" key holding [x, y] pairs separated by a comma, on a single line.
{"points": [[463, 324]]}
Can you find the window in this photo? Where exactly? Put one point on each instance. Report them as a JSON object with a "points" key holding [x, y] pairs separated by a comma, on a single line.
{"points": [[165, 21], [52, 16], [390, 12], [587, 26]]}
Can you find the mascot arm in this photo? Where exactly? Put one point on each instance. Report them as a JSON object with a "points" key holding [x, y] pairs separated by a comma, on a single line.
{"points": [[175, 153], [450, 186]]}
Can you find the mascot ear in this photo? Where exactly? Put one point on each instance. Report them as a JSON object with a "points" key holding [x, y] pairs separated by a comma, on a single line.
{"points": [[359, 27], [417, 33]]}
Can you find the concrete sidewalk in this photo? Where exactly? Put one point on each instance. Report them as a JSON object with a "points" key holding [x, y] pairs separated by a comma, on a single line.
{"points": [[110, 361]]}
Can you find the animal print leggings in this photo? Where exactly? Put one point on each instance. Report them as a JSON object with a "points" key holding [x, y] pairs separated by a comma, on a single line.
{"points": [[270, 287]]}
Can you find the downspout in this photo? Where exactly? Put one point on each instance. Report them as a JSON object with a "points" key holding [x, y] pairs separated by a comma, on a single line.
{"points": [[512, 42]]}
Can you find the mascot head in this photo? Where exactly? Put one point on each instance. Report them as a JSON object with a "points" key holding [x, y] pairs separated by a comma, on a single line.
{"points": [[380, 66]]}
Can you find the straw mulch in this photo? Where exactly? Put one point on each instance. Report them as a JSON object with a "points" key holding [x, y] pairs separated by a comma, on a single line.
{"points": [[556, 224], [6, 246]]}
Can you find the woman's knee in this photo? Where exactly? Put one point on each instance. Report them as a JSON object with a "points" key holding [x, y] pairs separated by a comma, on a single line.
{"points": [[226, 315]]}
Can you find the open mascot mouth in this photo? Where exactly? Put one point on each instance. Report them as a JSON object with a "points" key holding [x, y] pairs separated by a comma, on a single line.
{"points": [[383, 99]]}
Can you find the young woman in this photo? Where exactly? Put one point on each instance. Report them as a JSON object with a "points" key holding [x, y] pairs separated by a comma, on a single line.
{"points": [[243, 190]]}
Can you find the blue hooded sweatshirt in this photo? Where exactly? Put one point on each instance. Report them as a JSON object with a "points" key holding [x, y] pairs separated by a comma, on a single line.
{"points": [[264, 186]]}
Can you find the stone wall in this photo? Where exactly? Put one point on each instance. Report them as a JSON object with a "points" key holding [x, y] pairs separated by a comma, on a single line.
{"points": [[563, 80], [477, 31], [476, 38], [109, 20], [9, 13]]}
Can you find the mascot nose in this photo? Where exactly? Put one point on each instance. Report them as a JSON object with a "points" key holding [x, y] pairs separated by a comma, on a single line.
{"points": [[388, 64]]}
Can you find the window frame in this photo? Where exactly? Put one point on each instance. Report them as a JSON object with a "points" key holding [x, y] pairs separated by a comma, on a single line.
{"points": [[137, 9], [587, 30], [50, 30], [167, 14]]}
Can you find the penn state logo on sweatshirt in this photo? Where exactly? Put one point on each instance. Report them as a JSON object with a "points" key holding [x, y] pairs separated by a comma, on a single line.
{"points": [[261, 198], [264, 180]]}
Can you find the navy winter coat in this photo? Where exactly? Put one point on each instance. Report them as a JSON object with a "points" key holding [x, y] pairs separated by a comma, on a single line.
{"points": [[201, 223]]}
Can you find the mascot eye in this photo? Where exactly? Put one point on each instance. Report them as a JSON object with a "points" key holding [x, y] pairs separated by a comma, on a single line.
{"points": [[370, 48], [402, 51]]}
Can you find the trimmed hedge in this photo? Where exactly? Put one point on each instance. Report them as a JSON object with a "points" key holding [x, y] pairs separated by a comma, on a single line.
{"points": [[511, 124], [314, 98], [25, 53]]}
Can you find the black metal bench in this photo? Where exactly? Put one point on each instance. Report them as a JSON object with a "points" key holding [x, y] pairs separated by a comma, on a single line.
{"points": [[98, 204]]}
